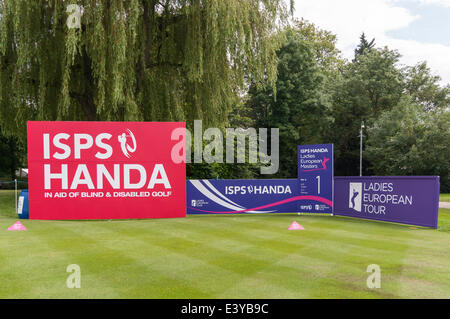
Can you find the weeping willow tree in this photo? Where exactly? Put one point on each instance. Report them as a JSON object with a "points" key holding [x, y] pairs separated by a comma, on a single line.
{"points": [[133, 60]]}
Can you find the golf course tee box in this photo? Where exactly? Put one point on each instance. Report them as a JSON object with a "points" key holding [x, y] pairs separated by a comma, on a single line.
{"points": [[105, 170]]}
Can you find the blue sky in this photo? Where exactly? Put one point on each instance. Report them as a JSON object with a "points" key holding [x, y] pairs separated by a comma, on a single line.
{"points": [[432, 24], [418, 29]]}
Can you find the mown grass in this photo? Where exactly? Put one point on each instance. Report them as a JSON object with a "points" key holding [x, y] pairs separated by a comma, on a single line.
{"points": [[444, 198], [222, 257]]}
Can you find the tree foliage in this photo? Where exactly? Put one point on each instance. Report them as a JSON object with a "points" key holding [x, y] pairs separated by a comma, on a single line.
{"points": [[10, 159], [363, 47], [301, 108], [370, 86], [425, 88], [408, 141], [367, 87], [132, 60]]}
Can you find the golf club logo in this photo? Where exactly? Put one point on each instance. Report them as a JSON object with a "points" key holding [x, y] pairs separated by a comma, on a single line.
{"points": [[355, 195], [126, 148]]}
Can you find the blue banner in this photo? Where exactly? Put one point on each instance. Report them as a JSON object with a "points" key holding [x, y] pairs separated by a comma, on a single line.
{"points": [[410, 200], [315, 177], [247, 197], [242, 196]]}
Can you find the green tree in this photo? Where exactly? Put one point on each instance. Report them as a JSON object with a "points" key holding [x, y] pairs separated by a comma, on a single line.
{"points": [[301, 106], [323, 44], [367, 87], [407, 140], [425, 89], [132, 60], [238, 118], [10, 156], [363, 47]]}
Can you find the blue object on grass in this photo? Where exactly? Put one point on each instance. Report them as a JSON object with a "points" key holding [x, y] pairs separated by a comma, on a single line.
{"points": [[22, 207]]}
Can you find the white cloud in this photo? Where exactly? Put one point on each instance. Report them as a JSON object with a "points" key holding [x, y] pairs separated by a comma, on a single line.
{"points": [[349, 18], [444, 3], [436, 55]]}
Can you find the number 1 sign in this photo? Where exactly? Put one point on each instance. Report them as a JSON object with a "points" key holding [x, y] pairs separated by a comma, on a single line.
{"points": [[315, 176]]}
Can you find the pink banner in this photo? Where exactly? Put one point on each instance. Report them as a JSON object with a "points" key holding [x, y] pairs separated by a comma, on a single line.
{"points": [[105, 170]]}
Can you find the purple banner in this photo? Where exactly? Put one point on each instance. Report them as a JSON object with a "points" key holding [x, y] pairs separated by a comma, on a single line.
{"points": [[410, 200], [315, 176], [247, 197]]}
